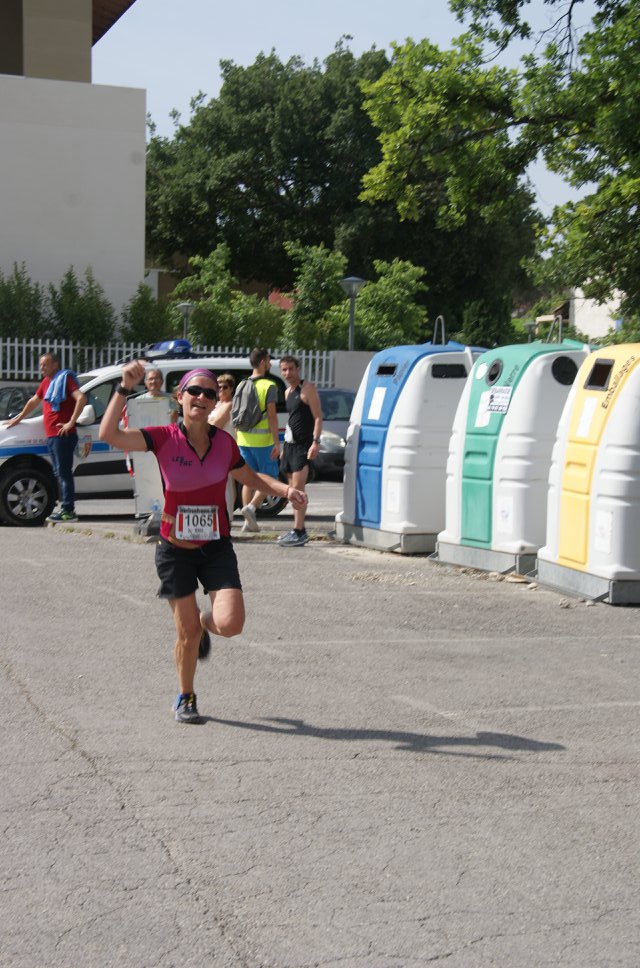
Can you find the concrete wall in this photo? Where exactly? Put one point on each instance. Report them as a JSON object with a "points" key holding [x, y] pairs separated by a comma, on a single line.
{"points": [[47, 38], [57, 39], [72, 181], [349, 368]]}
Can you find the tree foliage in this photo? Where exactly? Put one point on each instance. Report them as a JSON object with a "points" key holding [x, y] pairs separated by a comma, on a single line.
{"points": [[145, 319], [387, 309], [596, 144], [280, 155], [459, 132], [223, 315], [24, 310], [80, 310], [316, 289], [388, 312], [445, 137]]}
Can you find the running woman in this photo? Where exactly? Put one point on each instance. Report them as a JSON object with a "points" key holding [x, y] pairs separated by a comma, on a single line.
{"points": [[195, 545]]}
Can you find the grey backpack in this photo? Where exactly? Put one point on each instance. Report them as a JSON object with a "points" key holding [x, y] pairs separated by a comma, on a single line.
{"points": [[245, 409]]}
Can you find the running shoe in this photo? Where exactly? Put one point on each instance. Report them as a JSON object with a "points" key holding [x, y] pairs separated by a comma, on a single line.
{"points": [[63, 516], [249, 514], [205, 645], [286, 534], [186, 709], [293, 539]]}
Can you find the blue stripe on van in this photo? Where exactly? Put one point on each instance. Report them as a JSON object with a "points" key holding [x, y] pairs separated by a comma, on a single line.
{"points": [[98, 446]]}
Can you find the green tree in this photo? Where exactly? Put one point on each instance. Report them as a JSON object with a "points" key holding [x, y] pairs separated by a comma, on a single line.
{"points": [[451, 165], [488, 325], [446, 146], [223, 315], [145, 319], [629, 332], [80, 310], [593, 243], [23, 306], [210, 287], [388, 313], [317, 274], [278, 155], [457, 129]]}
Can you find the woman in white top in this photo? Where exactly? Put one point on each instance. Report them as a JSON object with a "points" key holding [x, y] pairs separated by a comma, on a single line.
{"points": [[220, 417]]}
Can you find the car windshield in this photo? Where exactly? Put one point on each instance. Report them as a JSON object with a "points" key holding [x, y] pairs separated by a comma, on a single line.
{"points": [[336, 404]]}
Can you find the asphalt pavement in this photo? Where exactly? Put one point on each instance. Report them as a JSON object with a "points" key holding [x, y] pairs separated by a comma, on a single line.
{"points": [[400, 764]]}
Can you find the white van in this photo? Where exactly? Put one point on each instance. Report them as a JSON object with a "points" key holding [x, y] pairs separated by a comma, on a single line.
{"points": [[28, 489]]}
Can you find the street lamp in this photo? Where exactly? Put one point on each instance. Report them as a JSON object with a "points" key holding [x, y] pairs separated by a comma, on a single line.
{"points": [[185, 308], [352, 286]]}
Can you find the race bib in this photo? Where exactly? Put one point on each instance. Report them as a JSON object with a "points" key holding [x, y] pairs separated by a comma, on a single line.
{"points": [[197, 522]]}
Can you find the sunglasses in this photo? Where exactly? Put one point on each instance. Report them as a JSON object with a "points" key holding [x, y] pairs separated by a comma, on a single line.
{"points": [[201, 392], [229, 385]]}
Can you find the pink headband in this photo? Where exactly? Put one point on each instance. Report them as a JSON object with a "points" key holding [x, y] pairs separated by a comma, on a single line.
{"points": [[188, 376]]}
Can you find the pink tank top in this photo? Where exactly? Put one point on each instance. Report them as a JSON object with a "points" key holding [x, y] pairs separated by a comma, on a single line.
{"points": [[191, 483]]}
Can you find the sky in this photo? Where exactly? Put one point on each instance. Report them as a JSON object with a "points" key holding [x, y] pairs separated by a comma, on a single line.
{"points": [[173, 49]]}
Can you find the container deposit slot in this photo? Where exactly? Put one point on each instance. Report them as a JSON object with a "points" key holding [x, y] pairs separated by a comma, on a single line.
{"points": [[600, 375]]}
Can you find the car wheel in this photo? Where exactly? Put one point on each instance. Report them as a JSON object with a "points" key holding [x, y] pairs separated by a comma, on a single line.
{"points": [[271, 506], [27, 497]]}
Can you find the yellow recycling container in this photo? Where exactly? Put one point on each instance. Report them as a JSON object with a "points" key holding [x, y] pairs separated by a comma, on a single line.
{"points": [[593, 510]]}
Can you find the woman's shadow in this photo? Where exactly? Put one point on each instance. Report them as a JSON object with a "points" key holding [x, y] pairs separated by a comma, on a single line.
{"points": [[414, 742]]}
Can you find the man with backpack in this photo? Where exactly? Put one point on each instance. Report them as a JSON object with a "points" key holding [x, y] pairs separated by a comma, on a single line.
{"points": [[255, 418]]}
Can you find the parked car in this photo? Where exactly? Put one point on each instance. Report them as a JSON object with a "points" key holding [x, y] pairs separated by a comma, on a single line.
{"points": [[337, 405], [13, 399], [28, 488]]}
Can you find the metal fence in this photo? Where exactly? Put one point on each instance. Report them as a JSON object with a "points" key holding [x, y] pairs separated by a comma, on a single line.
{"points": [[19, 357]]}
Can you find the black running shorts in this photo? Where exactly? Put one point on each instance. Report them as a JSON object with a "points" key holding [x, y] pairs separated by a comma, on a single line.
{"points": [[294, 457], [214, 565]]}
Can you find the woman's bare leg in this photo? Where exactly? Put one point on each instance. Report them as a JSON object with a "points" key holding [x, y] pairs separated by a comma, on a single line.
{"points": [[226, 617], [186, 616]]}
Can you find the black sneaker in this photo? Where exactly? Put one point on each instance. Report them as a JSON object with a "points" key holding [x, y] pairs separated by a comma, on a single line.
{"points": [[205, 645], [186, 709]]}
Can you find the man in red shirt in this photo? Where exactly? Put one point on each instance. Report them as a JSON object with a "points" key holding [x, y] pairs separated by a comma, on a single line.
{"points": [[62, 403]]}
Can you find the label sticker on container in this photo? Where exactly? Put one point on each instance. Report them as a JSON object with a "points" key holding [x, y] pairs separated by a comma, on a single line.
{"points": [[586, 417], [491, 401], [504, 514], [393, 497], [375, 408], [499, 398], [603, 532]]}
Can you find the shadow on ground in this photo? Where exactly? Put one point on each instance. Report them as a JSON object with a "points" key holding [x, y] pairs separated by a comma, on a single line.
{"points": [[415, 742]]}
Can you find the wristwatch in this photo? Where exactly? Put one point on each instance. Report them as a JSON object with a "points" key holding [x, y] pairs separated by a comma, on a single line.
{"points": [[122, 390], [316, 440]]}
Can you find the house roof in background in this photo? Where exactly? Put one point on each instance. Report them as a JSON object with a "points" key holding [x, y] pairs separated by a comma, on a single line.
{"points": [[105, 14]]}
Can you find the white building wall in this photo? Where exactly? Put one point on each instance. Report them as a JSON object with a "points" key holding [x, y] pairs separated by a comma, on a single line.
{"points": [[72, 182], [591, 318]]}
